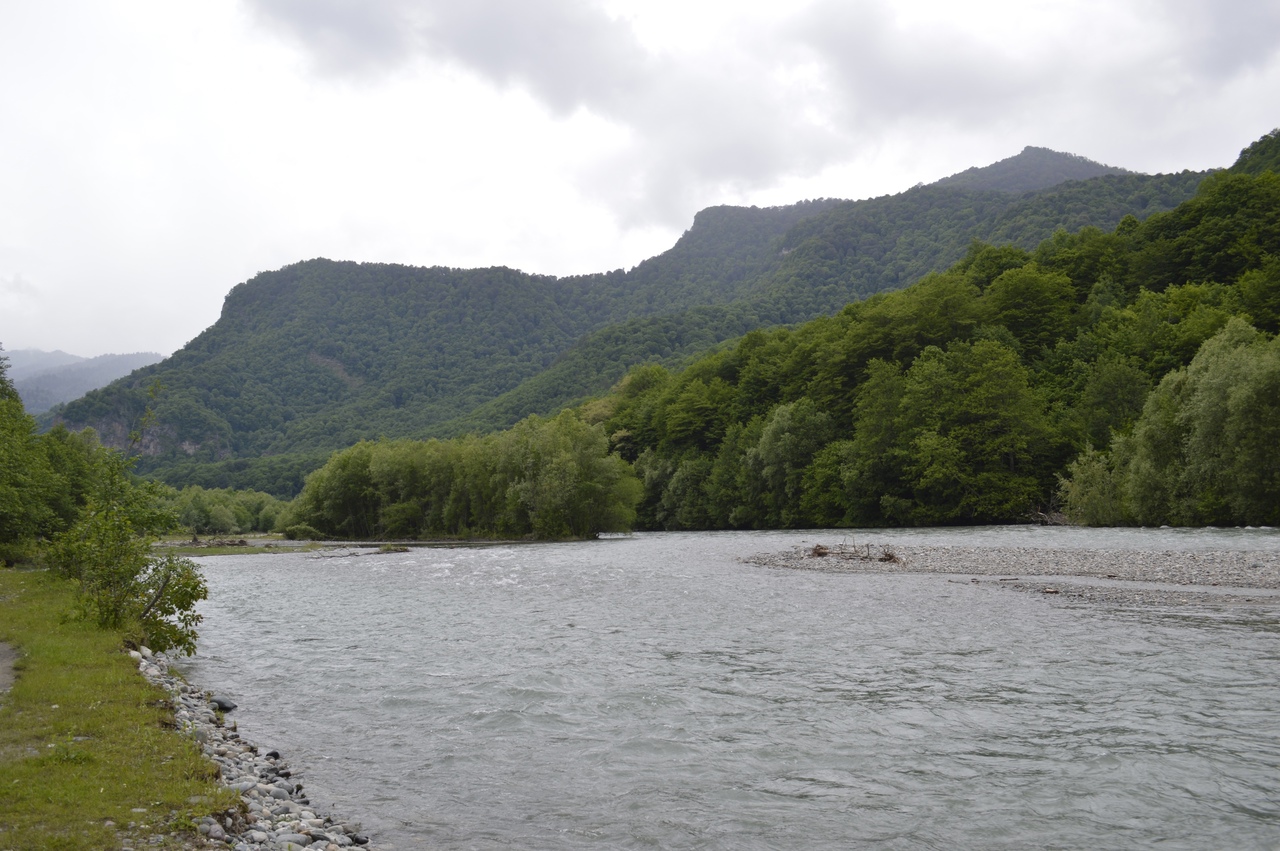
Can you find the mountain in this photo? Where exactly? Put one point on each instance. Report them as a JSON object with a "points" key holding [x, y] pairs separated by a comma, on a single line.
{"points": [[852, 251], [1034, 168], [24, 362], [1124, 377], [1262, 155], [320, 354], [50, 379]]}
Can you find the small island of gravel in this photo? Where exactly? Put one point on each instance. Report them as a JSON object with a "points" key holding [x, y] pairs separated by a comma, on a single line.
{"points": [[1120, 577]]}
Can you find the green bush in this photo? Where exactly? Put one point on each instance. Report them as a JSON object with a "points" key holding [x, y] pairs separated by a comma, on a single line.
{"points": [[303, 532]]}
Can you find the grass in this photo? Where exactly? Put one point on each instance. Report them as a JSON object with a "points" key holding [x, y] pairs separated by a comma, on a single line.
{"points": [[88, 753], [256, 544]]}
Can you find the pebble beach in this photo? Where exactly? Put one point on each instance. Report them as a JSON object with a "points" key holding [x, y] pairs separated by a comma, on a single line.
{"points": [[1129, 577], [277, 816]]}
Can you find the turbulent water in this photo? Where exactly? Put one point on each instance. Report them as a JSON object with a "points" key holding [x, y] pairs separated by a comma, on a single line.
{"points": [[654, 692]]}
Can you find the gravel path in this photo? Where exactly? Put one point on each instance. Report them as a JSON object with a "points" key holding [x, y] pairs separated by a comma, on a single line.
{"points": [[8, 656], [1217, 578]]}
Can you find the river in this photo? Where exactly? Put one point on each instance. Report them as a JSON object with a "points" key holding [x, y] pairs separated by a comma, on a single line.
{"points": [[653, 691]]}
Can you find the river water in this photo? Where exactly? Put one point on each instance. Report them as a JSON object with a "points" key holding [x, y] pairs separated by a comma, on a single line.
{"points": [[655, 692]]}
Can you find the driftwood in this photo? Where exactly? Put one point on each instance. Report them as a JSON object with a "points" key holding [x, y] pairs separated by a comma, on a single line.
{"points": [[851, 552]]}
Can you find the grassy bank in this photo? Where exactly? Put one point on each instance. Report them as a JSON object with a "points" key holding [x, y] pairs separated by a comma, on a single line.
{"points": [[88, 756]]}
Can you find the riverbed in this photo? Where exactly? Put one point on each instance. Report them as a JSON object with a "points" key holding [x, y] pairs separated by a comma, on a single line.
{"points": [[657, 691]]}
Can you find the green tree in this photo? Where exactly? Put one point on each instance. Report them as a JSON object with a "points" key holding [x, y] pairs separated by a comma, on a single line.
{"points": [[961, 436], [1036, 305], [123, 584], [790, 438], [1206, 449]]}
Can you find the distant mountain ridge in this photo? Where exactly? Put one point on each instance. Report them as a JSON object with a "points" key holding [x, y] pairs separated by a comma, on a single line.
{"points": [[320, 354], [24, 362], [1034, 168], [46, 379]]}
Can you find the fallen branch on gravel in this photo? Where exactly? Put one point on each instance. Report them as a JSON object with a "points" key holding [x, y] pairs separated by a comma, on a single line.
{"points": [[850, 552]]}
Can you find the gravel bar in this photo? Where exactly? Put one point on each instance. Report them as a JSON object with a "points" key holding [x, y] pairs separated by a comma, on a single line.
{"points": [[1120, 577]]}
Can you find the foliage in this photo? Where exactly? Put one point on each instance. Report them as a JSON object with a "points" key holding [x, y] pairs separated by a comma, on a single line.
{"points": [[224, 511], [1206, 449], [543, 479], [965, 397], [320, 355], [1263, 155], [42, 477], [1034, 168], [123, 585], [85, 741]]}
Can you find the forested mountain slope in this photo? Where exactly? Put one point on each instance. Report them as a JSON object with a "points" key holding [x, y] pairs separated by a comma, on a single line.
{"points": [[852, 251], [1034, 168], [25, 362], [42, 389], [1130, 376], [321, 354]]}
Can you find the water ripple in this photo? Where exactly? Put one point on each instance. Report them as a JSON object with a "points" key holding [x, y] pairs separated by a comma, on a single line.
{"points": [[654, 692]]}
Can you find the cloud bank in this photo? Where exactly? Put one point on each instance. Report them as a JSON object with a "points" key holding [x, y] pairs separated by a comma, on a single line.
{"points": [[770, 98]]}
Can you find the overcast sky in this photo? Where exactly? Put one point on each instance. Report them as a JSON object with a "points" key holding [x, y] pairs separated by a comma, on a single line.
{"points": [[155, 154]]}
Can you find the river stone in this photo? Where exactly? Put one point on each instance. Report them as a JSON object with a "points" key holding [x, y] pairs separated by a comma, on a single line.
{"points": [[226, 704], [295, 838]]}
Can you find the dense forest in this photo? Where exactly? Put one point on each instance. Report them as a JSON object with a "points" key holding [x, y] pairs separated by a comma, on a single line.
{"points": [[73, 505], [1119, 375], [1122, 376], [52, 378], [321, 354]]}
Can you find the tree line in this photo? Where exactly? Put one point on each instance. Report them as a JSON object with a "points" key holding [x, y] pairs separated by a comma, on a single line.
{"points": [[1129, 376], [73, 505], [1126, 377], [320, 354]]}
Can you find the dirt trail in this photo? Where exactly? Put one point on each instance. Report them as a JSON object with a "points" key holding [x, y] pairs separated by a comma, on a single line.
{"points": [[7, 657]]}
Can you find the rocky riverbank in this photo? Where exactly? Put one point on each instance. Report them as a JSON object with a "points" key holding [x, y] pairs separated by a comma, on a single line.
{"points": [[1122, 577], [277, 815]]}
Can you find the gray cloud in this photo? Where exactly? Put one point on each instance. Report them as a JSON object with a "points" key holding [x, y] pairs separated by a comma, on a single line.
{"points": [[342, 37], [1219, 39], [568, 54], [694, 127], [16, 285], [883, 73], [704, 124]]}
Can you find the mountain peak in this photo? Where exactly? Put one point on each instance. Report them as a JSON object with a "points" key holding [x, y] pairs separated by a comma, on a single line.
{"points": [[1034, 168]]}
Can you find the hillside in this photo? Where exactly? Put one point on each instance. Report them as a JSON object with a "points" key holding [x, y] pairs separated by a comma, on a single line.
{"points": [[24, 362], [1122, 377], [1263, 155], [321, 354], [850, 252], [51, 378], [1034, 168]]}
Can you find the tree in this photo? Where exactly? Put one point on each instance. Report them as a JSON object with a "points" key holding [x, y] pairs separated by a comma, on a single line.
{"points": [[959, 437], [1037, 306], [26, 479], [1206, 449], [123, 584]]}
